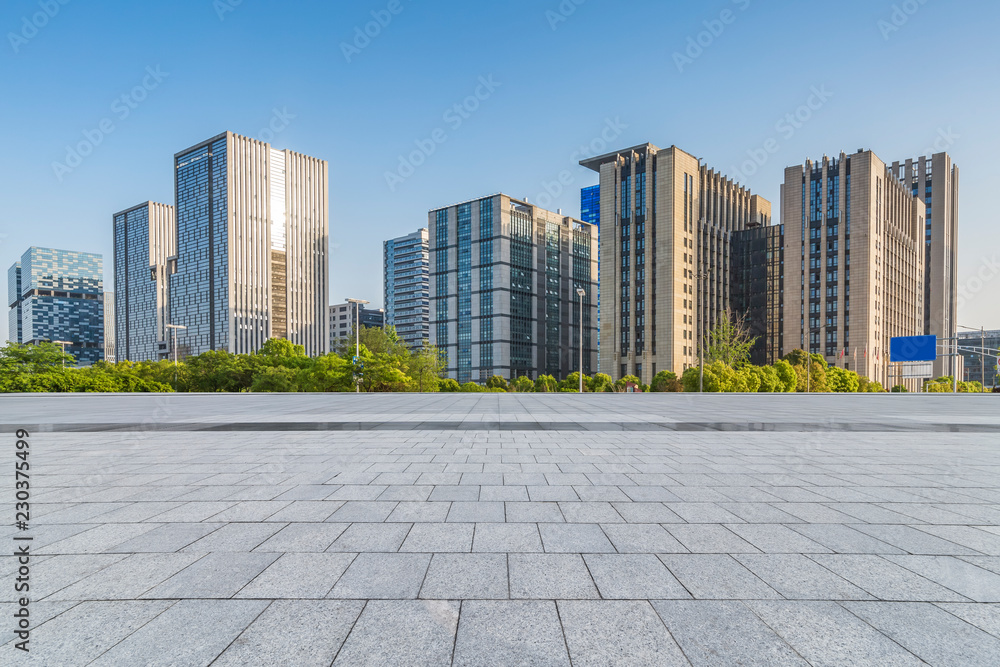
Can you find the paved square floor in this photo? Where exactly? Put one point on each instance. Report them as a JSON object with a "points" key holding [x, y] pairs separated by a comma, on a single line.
{"points": [[509, 530]]}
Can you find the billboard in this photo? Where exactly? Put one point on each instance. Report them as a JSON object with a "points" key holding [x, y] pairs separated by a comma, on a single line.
{"points": [[913, 348]]}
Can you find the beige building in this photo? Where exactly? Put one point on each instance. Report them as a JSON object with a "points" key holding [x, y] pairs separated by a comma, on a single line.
{"points": [[854, 262], [935, 181], [667, 223], [503, 290]]}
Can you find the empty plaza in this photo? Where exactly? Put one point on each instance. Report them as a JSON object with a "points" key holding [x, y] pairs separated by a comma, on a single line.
{"points": [[507, 529]]}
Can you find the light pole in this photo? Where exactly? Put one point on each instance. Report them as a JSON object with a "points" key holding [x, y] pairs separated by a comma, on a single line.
{"points": [[581, 293], [63, 344], [357, 337], [174, 328]]}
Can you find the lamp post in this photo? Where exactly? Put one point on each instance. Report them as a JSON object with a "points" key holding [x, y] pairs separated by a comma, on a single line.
{"points": [[357, 336], [581, 293], [175, 328], [63, 344]]}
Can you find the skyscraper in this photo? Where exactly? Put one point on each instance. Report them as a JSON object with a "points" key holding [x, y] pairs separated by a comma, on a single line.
{"points": [[145, 238], [935, 181], [757, 288], [252, 247], [14, 331], [407, 283], [667, 222], [590, 205], [854, 245], [59, 296], [504, 276]]}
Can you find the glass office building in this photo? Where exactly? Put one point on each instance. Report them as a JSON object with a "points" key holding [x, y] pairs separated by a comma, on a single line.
{"points": [[757, 288], [407, 284], [590, 205], [58, 295]]}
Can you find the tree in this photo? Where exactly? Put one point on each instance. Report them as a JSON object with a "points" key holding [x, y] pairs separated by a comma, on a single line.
{"points": [[730, 342], [788, 379], [450, 386], [497, 382], [276, 379], [842, 381], [900, 389], [473, 388], [15, 358], [522, 385], [691, 379], [666, 381], [601, 382], [622, 384], [572, 382], [426, 366], [546, 384]]}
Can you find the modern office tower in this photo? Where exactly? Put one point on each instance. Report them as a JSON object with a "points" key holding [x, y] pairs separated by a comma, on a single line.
{"points": [[590, 205], [935, 181], [14, 332], [61, 298], [252, 247], [757, 288], [344, 316], [406, 263], [109, 328], [145, 239], [665, 255], [978, 368], [504, 280], [854, 245]]}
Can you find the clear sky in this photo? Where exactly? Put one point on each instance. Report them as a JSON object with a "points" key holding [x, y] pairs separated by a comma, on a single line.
{"points": [[893, 76]]}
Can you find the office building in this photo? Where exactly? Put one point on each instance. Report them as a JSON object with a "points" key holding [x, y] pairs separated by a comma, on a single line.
{"points": [[667, 224], [145, 243], [976, 367], [854, 262], [109, 328], [252, 247], [504, 275], [58, 295], [935, 181], [407, 281], [590, 205], [757, 288], [343, 318]]}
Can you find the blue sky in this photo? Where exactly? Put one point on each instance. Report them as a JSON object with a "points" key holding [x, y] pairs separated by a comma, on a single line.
{"points": [[895, 77]]}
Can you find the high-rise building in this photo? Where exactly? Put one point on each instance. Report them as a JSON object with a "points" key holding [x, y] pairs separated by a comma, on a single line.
{"points": [[935, 181], [757, 288], [406, 265], [854, 244], [665, 255], [590, 205], [976, 367], [14, 331], [504, 280], [344, 317], [145, 238], [109, 328], [59, 297], [252, 247]]}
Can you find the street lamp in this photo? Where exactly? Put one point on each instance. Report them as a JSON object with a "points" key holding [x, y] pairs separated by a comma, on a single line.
{"points": [[581, 293], [174, 328], [63, 344], [357, 336], [982, 350]]}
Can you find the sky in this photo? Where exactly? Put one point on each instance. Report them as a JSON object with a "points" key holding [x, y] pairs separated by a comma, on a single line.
{"points": [[418, 105]]}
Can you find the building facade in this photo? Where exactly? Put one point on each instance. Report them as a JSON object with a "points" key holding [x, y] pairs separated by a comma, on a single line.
{"points": [[976, 367], [665, 256], [504, 280], [59, 296], [590, 205], [343, 318], [145, 243], [110, 355], [757, 288], [935, 181], [854, 246], [14, 315], [407, 285], [252, 247]]}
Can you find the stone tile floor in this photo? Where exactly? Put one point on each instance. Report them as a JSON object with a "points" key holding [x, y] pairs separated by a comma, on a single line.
{"points": [[160, 543]]}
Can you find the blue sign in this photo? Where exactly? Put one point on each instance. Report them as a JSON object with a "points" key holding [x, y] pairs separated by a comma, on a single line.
{"points": [[913, 348]]}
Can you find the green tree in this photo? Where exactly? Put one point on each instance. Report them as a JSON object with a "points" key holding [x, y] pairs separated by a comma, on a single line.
{"points": [[622, 384], [426, 365], [546, 384], [275, 379], [522, 385], [497, 382], [572, 382], [473, 388], [691, 379], [450, 386], [788, 379], [842, 381], [730, 342], [601, 382], [900, 389], [666, 381]]}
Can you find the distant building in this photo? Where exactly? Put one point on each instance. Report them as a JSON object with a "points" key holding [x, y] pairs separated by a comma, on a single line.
{"points": [[757, 288], [407, 279], [344, 316], [504, 276], [145, 238], [109, 328], [974, 364], [58, 295], [590, 205], [252, 247]]}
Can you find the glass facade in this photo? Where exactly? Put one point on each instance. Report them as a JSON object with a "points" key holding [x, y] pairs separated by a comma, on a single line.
{"points": [[441, 278], [138, 329], [464, 229], [61, 298], [757, 288], [487, 239], [407, 287], [14, 331], [590, 205], [521, 287]]}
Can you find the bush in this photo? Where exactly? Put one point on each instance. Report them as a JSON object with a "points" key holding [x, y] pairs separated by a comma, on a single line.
{"points": [[497, 382], [473, 388], [666, 381], [622, 384], [900, 389], [601, 382], [546, 384], [449, 385], [572, 382], [788, 379], [522, 385]]}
